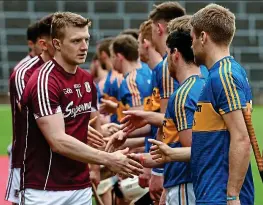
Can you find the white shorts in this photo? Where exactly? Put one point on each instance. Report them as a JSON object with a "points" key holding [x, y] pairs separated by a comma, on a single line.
{"points": [[181, 194], [42, 197], [13, 186]]}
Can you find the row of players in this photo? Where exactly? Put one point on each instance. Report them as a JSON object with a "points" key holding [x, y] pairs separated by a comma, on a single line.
{"points": [[200, 119]]}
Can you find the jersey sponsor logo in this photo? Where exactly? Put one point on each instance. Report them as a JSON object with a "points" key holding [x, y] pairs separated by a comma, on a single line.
{"points": [[87, 86], [77, 88], [149, 81], [67, 91], [77, 110]]}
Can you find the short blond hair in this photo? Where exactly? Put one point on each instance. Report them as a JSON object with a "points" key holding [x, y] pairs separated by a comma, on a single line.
{"points": [[65, 19], [146, 30], [180, 23], [217, 21]]}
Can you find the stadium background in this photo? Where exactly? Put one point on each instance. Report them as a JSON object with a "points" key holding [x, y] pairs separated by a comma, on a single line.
{"points": [[109, 18]]}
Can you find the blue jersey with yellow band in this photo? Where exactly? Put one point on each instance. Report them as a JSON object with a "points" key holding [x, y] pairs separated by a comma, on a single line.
{"points": [[111, 92], [164, 84], [226, 90], [135, 87], [179, 116]]}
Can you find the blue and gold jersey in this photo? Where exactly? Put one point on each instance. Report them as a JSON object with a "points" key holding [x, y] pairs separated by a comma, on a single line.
{"points": [[164, 84], [136, 86], [179, 116], [111, 92], [226, 90]]}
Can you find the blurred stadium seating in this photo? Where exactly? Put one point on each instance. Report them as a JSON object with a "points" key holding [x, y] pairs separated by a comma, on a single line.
{"points": [[110, 18]]}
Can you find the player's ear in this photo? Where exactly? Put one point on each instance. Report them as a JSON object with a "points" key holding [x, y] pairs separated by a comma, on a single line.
{"points": [[56, 43], [120, 56], [43, 44], [203, 36], [146, 43], [160, 29]]}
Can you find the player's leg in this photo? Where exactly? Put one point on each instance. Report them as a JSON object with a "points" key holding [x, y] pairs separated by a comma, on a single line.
{"points": [[13, 186], [80, 197], [181, 194]]}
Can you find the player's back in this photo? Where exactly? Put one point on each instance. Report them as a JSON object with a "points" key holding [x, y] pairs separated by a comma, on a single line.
{"points": [[226, 90], [136, 86], [17, 83], [178, 117], [20, 63], [52, 90]]}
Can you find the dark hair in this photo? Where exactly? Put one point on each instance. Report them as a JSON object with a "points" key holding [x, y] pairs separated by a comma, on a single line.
{"points": [[44, 26], [104, 45], [182, 41], [95, 57], [127, 46], [134, 32], [166, 11], [32, 32]]}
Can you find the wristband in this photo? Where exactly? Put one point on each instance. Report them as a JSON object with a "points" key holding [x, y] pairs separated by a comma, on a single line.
{"points": [[142, 159], [232, 198]]}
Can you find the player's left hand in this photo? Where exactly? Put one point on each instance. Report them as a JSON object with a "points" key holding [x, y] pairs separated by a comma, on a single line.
{"points": [[116, 140], [95, 174], [108, 107], [156, 187], [95, 139]]}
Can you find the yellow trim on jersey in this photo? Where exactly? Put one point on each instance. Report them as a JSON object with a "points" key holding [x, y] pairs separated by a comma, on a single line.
{"points": [[206, 119], [234, 86], [133, 88], [170, 133], [164, 78], [179, 103], [224, 85], [182, 105], [226, 70]]}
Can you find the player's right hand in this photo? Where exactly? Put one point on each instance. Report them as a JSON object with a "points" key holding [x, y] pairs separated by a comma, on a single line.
{"points": [[156, 187], [133, 120], [160, 151], [145, 178], [121, 164]]}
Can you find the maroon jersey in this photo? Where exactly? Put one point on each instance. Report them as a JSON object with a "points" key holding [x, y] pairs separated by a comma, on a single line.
{"points": [[25, 59], [52, 90], [17, 83]]}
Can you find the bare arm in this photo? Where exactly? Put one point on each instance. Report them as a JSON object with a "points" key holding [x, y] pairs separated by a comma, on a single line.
{"points": [[185, 137], [53, 129], [162, 153], [239, 151], [133, 143]]}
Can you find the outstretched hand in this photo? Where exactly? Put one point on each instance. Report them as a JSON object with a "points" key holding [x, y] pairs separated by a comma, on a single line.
{"points": [[160, 151], [123, 165], [133, 120]]}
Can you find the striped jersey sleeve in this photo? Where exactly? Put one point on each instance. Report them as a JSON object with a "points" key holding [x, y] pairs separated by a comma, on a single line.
{"points": [[166, 84], [45, 93], [184, 107], [133, 96], [21, 78], [230, 94]]}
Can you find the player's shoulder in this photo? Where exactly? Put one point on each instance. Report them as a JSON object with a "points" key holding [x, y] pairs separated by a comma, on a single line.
{"points": [[158, 67], [228, 71], [190, 89]]}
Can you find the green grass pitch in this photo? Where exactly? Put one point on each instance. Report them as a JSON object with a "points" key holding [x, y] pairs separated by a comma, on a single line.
{"points": [[5, 135]]}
